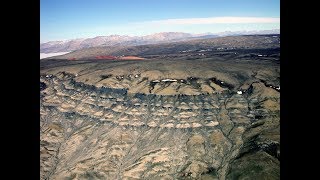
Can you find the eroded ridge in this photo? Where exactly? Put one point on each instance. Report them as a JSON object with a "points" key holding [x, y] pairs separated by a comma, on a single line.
{"points": [[110, 133]]}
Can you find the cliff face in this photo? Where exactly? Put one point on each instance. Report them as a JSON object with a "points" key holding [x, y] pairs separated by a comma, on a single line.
{"points": [[118, 120]]}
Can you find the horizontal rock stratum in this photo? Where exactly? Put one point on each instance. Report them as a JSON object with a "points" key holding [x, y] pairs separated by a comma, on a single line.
{"points": [[159, 119]]}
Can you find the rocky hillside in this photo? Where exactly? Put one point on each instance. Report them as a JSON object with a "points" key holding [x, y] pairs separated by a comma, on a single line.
{"points": [[213, 119]]}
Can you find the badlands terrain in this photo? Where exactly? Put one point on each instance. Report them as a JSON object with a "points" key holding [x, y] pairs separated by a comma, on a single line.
{"points": [[200, 109]]}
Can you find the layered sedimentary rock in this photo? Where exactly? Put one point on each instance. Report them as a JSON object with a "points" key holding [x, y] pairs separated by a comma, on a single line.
{"points": [[142, 127]]}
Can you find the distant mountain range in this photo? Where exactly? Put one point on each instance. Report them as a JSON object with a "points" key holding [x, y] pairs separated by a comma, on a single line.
{"points": [[124, 40]]}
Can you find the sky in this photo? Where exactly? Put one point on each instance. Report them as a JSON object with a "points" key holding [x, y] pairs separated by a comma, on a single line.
{"points": [[71, 19]]}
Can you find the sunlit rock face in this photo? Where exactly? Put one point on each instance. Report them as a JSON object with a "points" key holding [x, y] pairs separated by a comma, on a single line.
{"points": [[102, 121], [110, 133]]}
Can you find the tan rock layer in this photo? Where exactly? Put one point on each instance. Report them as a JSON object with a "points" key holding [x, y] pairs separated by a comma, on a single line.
{"points": [[105, 133]]}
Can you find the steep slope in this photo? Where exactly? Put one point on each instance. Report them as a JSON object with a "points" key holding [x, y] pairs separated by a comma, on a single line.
{"points": [[177, 119]]}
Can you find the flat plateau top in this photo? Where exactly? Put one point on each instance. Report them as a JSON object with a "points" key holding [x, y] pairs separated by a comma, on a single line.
{"points": [[168, 77]]}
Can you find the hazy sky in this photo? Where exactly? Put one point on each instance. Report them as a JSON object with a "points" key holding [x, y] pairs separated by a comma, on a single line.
{"points": [[69, 19]]}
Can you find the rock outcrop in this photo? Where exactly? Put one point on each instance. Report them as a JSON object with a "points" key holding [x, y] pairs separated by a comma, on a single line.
{"points": [[135, 126]]}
